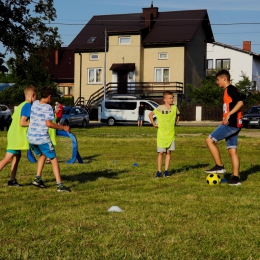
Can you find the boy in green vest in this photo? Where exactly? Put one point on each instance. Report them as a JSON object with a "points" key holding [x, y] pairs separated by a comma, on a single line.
{"points": [[167, 117], [16, 136]]}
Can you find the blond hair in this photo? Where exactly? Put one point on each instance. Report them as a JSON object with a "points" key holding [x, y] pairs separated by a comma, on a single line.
{"points": [[29, 89]]}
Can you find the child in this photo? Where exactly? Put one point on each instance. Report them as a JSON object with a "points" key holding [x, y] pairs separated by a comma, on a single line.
{"points": [[141, 111], [39, 138], [167, 116], [16, 136], [229, 129]]}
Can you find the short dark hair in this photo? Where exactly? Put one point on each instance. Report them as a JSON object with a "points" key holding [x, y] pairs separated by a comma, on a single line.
{"points": [[224, 73], [166, 93], [47, 91]]}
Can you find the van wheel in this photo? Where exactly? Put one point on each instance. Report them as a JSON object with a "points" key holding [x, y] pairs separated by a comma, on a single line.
{"points": [[111, 121]]}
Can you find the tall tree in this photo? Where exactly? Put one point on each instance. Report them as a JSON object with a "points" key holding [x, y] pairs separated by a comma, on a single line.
{"points": [[24, 28]]}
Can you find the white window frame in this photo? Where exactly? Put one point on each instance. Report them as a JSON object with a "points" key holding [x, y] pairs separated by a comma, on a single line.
{"points": [[94, 76], [91, 56], [122, 40], [161, 54], [162, 74]]}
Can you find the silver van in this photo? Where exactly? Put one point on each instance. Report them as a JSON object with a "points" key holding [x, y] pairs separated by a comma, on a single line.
{"points": [[118, 110]]}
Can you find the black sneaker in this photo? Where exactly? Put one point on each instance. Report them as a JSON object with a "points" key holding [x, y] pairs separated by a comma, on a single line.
{"points": [[216, 169], [14, 184], [234, 181], [166, 174], [62, 188], [158, 174], [38, 183]]}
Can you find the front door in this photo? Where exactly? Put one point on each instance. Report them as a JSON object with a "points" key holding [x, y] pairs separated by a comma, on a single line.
{"points": [[122, 81]]}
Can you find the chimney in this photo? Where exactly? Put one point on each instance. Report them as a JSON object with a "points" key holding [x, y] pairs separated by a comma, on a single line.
{"points": [[247, 46], [149, 14], [56, 57]]}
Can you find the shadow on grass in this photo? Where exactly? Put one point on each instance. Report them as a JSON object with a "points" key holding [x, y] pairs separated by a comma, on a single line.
{"points": [[244, 174], [92, 176], [89, 159], [188, 167]]}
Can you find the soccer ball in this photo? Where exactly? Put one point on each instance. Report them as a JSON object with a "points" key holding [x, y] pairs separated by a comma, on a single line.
{"points": [[213, 179]]}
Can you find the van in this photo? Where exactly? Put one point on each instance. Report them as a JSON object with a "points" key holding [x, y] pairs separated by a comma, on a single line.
{"points": [[118, 110]]}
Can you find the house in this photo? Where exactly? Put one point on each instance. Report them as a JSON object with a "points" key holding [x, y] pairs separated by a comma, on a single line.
{"points": [[60, 65], [236, 60], [141, 53]]}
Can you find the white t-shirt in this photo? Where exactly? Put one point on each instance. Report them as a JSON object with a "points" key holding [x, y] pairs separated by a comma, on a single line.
{"points": [[38, 131]]}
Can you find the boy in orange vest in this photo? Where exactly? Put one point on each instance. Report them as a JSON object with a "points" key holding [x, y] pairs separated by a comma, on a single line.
{"points": [[229, 129]]}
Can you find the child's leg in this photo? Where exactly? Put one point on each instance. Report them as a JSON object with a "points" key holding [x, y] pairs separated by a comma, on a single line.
{"points": [[56, 169], [160, 158], [14, 166], [214, 151], [167, 160], [7, 159], [40, 164], [235, 161]]}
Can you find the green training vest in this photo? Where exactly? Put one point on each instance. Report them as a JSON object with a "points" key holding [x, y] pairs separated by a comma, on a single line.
{"points": [[166, 127]]}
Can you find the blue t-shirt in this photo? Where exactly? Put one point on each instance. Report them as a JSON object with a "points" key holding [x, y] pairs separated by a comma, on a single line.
{"points": [[38, 131], [26, 110]]}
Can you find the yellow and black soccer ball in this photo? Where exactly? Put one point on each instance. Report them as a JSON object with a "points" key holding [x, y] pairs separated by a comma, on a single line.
{"points": [[213, 179]]}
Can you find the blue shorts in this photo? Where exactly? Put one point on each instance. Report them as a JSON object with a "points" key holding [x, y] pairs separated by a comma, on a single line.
{"points": [[229, 133], [15, 152], [140, 118], [45, 149]]}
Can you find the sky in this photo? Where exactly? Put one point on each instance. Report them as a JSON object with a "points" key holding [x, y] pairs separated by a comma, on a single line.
{"points": [[232, 21]]}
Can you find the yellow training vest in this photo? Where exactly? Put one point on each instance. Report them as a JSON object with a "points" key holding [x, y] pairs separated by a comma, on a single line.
{"points": [[166, 127]]}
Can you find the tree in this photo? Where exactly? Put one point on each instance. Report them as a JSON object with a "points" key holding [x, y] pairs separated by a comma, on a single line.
{"points": [[24, 29]]}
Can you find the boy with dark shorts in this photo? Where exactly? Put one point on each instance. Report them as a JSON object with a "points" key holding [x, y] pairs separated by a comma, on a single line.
{"points": [[167, 116], [39, 138], [229, 129]]}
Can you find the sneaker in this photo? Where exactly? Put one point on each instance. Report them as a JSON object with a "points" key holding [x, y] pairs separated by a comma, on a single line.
{"points": [[62, 188], [216, 169], [234, 181], [38, 183], [158, 174], [14, 184], [166, 174]]}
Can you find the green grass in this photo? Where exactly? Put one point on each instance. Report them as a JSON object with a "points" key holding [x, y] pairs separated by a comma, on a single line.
{"points": [[180, 217]]}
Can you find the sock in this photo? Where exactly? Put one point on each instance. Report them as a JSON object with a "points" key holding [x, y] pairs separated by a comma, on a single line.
{"points": [[59, 183], [38, 177]]}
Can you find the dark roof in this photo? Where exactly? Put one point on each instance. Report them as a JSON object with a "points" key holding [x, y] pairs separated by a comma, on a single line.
{"points": [[167, 28], [123, 66], [64, 70], [236, 49]]}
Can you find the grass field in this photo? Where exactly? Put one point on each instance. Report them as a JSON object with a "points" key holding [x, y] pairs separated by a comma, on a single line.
{"points": [[180, 217]]}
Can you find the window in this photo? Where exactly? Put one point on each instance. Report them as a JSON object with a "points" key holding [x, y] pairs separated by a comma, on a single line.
{"points": [[94, 57], [162, 75], [223, 64], [91, 39], [120, 105], [124, 40], [209, 64], [94, 75], [163, 56], [65, 90]]}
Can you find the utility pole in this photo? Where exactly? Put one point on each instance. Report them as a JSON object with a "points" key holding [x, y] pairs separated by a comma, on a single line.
{"points": [[105, 63]]}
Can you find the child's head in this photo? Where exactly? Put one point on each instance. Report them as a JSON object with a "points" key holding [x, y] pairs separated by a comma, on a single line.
{"points": [[168, 98], [30, 93], [47, 93], [223, 78]]}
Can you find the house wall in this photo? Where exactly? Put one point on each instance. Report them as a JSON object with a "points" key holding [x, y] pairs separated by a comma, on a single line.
{"points": [[196, 59], [128, 53], [256, 72], [175, 62], [239, 61]]}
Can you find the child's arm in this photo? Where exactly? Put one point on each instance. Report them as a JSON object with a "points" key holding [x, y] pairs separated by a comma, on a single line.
{"points": [[23, 121], [151, 119], [177, 119], [56, 126]]}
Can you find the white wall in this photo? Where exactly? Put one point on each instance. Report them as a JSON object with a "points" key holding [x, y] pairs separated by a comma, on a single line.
{"points": [[239, 61]]}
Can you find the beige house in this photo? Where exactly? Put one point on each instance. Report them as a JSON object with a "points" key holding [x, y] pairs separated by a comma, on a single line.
{"points": [[141, 53]]}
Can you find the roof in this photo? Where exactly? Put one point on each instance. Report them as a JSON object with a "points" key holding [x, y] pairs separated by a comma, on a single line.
{"points": [[123, 66], [236, 49], [173, 27], [64, 70]]}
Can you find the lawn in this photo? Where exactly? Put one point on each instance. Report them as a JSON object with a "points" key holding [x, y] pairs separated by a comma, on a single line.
{"points": [[180, 217]]}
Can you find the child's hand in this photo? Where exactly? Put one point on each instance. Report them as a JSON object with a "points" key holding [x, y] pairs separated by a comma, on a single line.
{"points": [[66, 128], [155, 125]]}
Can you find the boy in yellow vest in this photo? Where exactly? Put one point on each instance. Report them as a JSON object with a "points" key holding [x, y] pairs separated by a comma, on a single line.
{"points": [[167, 117], [16, 136]]}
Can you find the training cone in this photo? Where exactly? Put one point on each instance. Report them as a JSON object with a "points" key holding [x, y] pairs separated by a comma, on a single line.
{"points": [[115, 209]]}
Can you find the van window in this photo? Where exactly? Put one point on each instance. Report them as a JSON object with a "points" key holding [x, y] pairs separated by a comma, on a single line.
{"points": [[112, 105], [128, 105]]}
